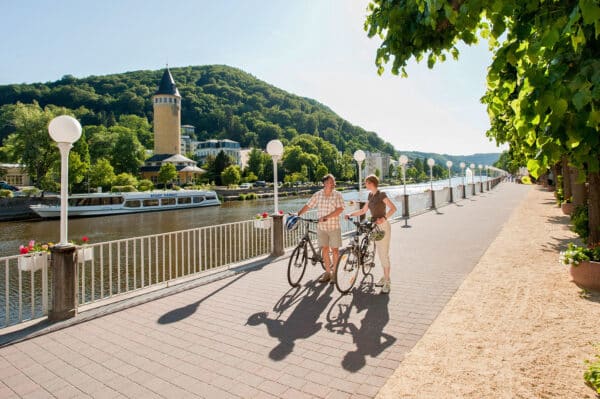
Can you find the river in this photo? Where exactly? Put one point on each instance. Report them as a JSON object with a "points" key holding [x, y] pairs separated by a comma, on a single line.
{"points": [[107, 228]]}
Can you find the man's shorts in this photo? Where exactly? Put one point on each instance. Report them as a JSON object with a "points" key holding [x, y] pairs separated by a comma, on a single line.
{"points": [[331, 238]]}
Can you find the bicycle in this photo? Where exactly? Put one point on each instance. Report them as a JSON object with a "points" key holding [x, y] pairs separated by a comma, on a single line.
{"points": [[358, 254], [300, 255]]}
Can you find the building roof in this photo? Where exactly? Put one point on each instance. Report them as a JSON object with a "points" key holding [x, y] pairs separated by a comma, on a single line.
{"points": [[167, 85]]}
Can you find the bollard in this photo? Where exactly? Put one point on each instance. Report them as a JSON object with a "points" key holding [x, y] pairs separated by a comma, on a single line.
{"points": [[464, 191], [278, 247], [432, 199], [405, 210], [64, 283], [451, 195]]}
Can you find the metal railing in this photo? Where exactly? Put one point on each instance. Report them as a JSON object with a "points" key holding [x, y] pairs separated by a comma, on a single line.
{"points": [[117, 267], [24, 288]]}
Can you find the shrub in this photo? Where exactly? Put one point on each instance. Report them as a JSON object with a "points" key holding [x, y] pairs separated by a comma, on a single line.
{"points": [[6, 193], [122, 189], [580, 221], [145, 185], [592, 374]]}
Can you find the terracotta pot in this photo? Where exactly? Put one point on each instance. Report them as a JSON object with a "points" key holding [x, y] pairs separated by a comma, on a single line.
{"points": [[586, 275], [567, 207]]}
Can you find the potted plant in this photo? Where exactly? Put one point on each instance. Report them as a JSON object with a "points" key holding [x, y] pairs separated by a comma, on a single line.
{"points": [[262, 221], [584, 265], [33, 257], [84, 252], [567, 206]]}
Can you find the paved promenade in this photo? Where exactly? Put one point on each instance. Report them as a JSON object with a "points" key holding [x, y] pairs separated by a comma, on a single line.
{"points": [[251, 336]]}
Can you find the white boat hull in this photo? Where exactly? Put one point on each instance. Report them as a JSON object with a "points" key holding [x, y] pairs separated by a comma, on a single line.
{"points": [[82, 205]]}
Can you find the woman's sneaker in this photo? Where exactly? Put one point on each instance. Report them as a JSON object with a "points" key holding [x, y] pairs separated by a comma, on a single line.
{"points": [[386, 288], [380, 283]]}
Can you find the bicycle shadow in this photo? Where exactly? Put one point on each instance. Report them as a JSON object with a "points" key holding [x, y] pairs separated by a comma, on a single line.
{"points": [[301, 323], [369, 338]]}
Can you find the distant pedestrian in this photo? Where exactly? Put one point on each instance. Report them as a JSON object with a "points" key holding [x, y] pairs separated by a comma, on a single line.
{"points": [[330, 205], [381, 208]]}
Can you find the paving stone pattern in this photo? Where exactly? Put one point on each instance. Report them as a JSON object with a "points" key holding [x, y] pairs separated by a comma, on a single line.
{"points": [[252, 336]]}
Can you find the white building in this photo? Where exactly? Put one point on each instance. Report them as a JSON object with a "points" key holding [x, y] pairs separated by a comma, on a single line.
{"points": [[213, 147], [377, 161]]}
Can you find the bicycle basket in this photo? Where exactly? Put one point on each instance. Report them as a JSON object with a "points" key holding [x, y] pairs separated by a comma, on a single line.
{"points": [[291, 223], [377, 233]]}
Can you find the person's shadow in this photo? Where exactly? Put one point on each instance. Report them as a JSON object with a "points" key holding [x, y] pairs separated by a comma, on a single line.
{"points": [[370, 339], [300, 324]]}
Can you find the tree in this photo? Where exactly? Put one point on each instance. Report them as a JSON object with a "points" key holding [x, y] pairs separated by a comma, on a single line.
{"points": [[543, 85], [128, 154], [231, 175], [102, 174], [29, 142], [321, 172], [167, 173], [255, 162]]}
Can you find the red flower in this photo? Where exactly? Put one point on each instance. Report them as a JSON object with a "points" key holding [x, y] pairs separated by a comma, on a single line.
{"points": [[280, 212], [265, 215], [85, 239], [23, 250]]}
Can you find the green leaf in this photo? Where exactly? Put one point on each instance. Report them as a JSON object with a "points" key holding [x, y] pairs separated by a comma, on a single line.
{"points": [[560, 107], [533, 166], [581, 99], [590, 10]]}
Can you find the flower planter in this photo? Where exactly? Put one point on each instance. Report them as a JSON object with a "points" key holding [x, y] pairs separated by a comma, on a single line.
{"points": [[33, 261], [586, 275], [567, 207], [263, 223], [85, 254]]}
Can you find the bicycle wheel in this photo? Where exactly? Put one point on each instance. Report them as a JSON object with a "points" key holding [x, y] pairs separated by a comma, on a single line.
{"points": [[297, 265], [367, 250], [346, 270]]}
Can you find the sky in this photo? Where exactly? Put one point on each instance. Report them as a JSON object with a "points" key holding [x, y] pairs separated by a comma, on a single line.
{"points": [[316, 49]]}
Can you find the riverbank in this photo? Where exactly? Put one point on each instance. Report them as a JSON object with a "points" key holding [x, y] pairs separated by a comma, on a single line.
{"points": [[516, 328]]}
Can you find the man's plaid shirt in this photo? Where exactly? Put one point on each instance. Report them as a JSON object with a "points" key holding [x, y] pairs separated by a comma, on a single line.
{"points": [[325, 205]]}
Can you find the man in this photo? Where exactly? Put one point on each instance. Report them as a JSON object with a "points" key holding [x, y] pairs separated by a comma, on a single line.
{"points": [[330, 205]]}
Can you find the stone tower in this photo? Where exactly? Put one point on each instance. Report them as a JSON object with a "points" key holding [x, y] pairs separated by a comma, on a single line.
{"points": [[167, 116]]}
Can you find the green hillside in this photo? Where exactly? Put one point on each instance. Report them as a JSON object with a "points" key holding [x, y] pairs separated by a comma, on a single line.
{"points": [[220, 101]]}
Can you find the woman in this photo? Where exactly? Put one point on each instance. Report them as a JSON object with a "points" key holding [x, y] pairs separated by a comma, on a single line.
{"points": [[381, 208]]}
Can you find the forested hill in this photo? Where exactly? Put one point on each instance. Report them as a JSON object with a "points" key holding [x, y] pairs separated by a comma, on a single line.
{"points": [[220, 101]]}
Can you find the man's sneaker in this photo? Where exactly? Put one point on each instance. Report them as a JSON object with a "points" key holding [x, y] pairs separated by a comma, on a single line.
{"points": [[386, 288], [380, 283], [325, 277]]}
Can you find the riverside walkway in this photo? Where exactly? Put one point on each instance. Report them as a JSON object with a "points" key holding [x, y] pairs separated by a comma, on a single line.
{"points": [[249, 335]]}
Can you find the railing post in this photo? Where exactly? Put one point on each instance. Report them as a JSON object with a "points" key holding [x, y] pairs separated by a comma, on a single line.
{"points": [[361, 204], [278, 247], [64, 283]]}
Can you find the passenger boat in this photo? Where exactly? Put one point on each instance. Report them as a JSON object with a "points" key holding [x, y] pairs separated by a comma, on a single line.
{"points": [[102, 204]]}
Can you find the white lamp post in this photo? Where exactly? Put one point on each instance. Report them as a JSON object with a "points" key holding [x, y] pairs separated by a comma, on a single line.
{"points": [[431, 162], [275, 150], [359, 156], [403, 162], [463, 171], [449, 165], [65, 130], [472, 167]]}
